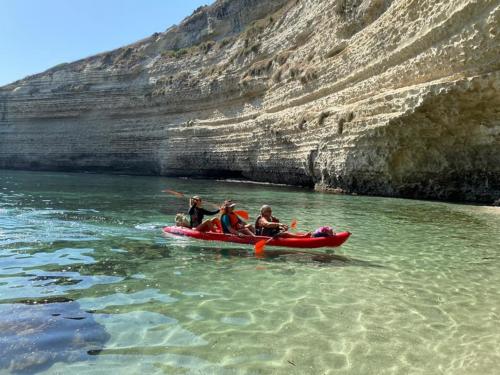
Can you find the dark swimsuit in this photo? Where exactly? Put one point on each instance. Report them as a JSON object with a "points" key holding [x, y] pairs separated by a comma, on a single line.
{"points": [[196, 215]]}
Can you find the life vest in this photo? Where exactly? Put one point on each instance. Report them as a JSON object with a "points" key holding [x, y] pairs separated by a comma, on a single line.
{"points": [[233, 219], [262, 231]]}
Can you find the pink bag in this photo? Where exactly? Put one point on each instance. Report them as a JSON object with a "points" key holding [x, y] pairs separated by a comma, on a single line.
{"points": [[324, 232]]}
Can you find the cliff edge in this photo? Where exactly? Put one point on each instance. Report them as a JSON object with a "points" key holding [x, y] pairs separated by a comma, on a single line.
{"points": [[382, 97]]}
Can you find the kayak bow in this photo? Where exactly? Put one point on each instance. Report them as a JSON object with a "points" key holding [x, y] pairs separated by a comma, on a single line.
{"points": [[300, 243]]}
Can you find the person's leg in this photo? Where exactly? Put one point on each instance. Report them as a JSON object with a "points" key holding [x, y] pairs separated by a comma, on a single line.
{"points": [[250, 228], [247, 232], [300, 235], [205, 226], [294, 235]]}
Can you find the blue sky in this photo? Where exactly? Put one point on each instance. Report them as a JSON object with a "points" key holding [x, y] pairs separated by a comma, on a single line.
{"points": [[38, 34]]}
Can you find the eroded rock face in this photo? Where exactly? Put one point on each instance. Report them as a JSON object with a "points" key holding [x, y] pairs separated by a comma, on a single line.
{"points": [[386, 97]]}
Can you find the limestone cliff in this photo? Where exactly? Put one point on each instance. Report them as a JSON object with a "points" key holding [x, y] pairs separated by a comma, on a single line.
{"points": [[387, 97]]}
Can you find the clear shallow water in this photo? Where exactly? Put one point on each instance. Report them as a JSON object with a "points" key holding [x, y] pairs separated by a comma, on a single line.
{"points": [[89, 285]]}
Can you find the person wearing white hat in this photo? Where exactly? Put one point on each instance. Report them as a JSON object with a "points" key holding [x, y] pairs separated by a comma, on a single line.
{"points": [[232, 223]]}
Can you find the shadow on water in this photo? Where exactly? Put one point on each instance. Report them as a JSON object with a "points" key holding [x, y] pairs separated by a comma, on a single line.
{"points": [[127, 257], [118, 257], [35, 334], [294, 256]]}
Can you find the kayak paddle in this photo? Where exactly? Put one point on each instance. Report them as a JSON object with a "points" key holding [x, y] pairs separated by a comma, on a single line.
{"points": [[176, 193], [259, 247], [241, 213]]}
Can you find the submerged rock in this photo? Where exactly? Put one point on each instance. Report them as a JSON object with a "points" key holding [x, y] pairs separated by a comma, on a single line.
{"points": [[388, 97], [35, 336]]}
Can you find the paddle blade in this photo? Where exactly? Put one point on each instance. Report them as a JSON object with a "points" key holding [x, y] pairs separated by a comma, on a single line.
{"points": [[176, 193], [259, 247], [294, 224], [243, 214]]}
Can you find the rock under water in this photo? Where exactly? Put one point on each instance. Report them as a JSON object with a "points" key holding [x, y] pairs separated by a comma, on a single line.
{"points": [[35, 336], [383, 97]]}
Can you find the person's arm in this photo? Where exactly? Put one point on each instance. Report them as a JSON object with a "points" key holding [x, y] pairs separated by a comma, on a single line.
{"points": [[272, 225], [191, 210], [210, 213], [283, 227], [268, 224]]}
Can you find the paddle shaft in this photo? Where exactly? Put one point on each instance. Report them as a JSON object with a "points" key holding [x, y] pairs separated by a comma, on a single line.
{"points": [[242, 213], [182, 195]]}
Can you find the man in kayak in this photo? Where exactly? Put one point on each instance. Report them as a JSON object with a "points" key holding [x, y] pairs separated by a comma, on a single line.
{"points": [[196, 214], [269, 226], [231, 223]]}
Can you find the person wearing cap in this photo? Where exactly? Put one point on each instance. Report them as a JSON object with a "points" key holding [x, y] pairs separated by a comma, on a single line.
{"points": [[232, 224], [269, 226], [197, 213]]}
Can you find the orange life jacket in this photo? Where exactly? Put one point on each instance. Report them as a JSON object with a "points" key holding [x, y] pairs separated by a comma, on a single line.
{"points": [[233, 219]]}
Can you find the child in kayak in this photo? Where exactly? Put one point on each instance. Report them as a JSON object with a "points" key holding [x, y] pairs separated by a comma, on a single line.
{"points": [[232, 224], [196, 214], [269, 226]]}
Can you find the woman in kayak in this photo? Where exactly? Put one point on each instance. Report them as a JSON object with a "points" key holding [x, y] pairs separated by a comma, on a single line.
{"points": [[231, 223], [269, 226], [196, 214]]}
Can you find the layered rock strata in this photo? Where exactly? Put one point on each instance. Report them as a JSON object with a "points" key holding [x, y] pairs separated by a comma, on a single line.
{"points": [[383, 97]]}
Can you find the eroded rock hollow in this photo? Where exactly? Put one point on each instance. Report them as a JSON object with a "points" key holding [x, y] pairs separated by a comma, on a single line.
{"points": [[385, 97]]}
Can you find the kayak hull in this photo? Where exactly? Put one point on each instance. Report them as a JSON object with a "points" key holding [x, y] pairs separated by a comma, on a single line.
{"points": [[299, 243]]}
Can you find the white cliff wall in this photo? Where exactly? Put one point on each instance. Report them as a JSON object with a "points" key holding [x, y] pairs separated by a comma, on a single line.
{"points": [[397, 98]]}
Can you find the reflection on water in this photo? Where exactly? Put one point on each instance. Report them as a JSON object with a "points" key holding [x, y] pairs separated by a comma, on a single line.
{"points": [[88, 284]]}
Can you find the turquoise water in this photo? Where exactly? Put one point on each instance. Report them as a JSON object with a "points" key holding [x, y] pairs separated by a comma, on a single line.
{"points": [[89, 285]]}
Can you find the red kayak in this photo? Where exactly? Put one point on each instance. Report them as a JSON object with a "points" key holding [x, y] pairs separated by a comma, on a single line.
{"points": [[302, 243]]}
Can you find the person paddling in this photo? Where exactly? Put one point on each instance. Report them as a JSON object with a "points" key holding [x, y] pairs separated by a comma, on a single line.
{"points": [[232, 224], [197, 213], [269, 226]]}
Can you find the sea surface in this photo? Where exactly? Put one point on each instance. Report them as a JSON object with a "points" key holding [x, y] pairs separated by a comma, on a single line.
{"points": [[88, 284]]}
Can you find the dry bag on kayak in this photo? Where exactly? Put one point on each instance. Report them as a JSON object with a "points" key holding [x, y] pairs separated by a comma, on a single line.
{"points": [[182, 220]]}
